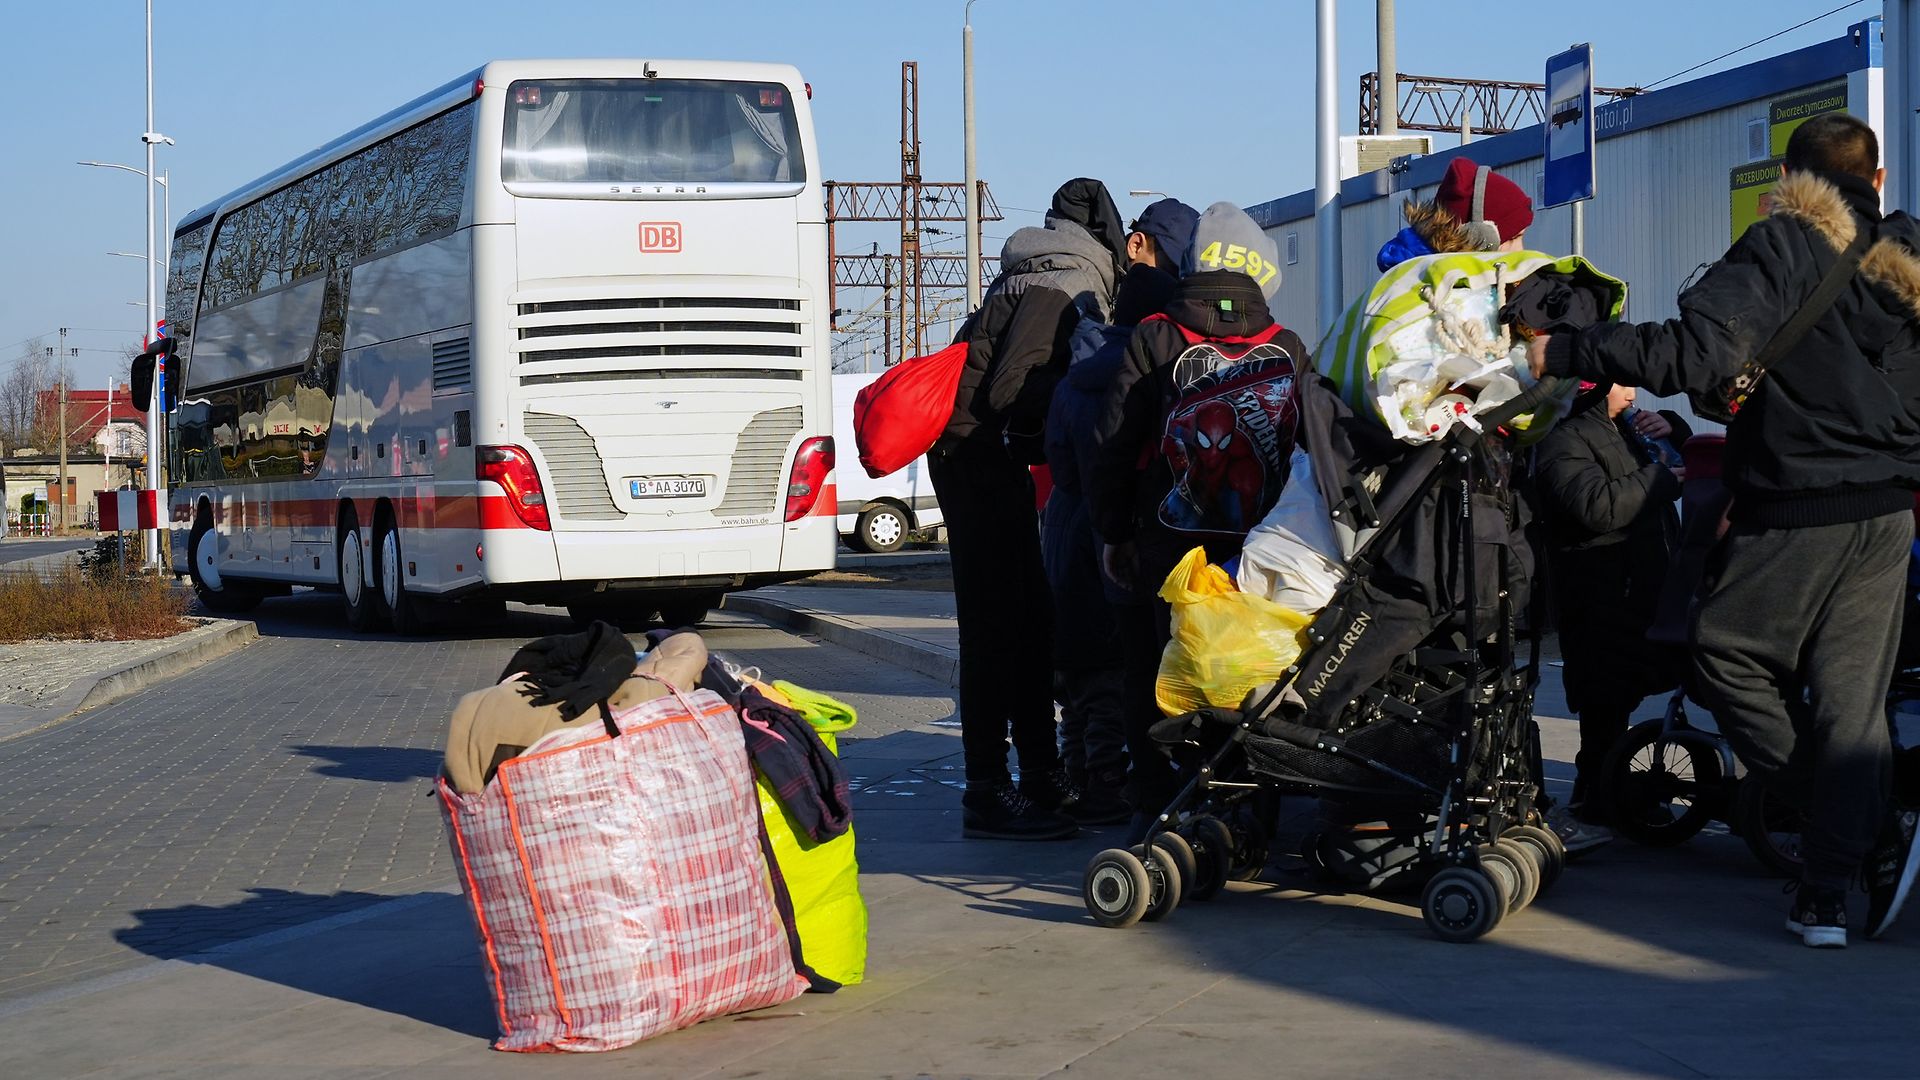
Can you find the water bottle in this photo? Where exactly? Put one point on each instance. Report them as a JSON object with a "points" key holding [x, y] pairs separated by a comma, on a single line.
{"points": [[1661, 451]]}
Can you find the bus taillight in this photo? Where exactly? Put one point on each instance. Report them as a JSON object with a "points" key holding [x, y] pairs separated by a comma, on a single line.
{"points": [[512, 468], [811, 464]]}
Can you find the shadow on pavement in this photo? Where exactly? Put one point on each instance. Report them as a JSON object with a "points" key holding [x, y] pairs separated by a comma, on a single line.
{"points": [[385, 764], [169, 933], [443, 988], [321, 616], [1651, 962]]}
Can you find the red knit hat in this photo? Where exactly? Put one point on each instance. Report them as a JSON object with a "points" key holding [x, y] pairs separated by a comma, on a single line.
{"points": [[1475, 194]]}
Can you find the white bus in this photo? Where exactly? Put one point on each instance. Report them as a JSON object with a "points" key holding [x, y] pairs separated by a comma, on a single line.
{"points": [[555, 332]]}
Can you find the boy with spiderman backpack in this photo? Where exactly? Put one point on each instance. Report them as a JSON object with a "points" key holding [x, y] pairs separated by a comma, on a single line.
{"points": [[1192, 446]]}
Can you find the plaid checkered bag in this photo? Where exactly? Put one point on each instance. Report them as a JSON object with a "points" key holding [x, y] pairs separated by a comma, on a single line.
{"points": [[618, 884]]}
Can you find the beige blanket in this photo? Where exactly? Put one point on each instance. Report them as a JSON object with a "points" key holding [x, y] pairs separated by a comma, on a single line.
{"points": [[497, 724]]}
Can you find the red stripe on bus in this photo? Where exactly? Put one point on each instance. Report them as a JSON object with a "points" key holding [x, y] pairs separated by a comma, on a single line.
{"points": [[414, 512]]}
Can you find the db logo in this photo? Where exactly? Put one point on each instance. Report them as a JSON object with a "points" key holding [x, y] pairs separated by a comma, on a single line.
{"points": [[661, 236]]}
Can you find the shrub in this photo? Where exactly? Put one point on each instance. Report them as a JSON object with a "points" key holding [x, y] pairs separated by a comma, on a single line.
{"points": [[103, 562], [79, 605]]}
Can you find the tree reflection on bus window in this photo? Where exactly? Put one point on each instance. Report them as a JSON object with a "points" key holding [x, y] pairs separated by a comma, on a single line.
{"points": [[402, 190]]}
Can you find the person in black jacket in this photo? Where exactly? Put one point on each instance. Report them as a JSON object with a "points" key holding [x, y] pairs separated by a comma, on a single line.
{"points": [[1798, 618], [1017, 347], [1089, 662], [1612, 529], [1131, 479]]}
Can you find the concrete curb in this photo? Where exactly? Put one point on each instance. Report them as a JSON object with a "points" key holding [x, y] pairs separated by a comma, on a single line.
{"points": [[934, 662], [192, 649], [844, 560]]}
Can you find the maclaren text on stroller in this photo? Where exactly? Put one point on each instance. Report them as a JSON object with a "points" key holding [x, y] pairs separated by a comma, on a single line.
{"points": [[1408, 700]]}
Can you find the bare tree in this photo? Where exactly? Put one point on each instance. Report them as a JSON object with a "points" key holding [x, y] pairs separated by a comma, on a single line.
{"points": [[22, 420]]}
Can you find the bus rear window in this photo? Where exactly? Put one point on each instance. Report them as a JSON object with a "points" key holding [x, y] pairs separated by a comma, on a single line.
{"points": [[670, 131]]}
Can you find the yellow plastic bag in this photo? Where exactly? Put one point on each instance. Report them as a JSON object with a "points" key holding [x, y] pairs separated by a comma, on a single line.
{"points": [[1225, 642], [822, 879]]}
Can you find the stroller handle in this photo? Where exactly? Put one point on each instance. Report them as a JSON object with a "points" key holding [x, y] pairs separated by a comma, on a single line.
{"points": [[1530, 399]]}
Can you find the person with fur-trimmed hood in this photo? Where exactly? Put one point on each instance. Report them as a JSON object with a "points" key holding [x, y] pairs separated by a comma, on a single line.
{"points": [[1797, 622], [1475, 209]]}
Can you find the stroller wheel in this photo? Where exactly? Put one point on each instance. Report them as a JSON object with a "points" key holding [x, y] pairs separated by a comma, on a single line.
{"points": [[1250, 851], [1508, 869], [1548, 852], [1181, 855], [1212, 844], [1664, 786], [1461, 904], [1771, 828], [1117, 888], [1530, 864], [1163, 877]]}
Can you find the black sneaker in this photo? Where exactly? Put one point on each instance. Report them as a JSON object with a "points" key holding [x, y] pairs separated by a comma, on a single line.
{"points": [[1051, 790], [1890, 871], [1819, 916], [1001, 812]]}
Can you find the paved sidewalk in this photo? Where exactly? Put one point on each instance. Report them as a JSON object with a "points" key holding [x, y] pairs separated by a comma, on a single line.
{"points": [[983, 964], [1640, 962], [45, 682], [910, 627]]}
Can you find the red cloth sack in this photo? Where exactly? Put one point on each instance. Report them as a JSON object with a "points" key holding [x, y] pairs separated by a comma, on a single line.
{"points": [[617, 883], [900, 415]]}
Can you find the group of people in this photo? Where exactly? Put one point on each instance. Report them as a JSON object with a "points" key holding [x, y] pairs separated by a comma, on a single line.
{"points": [[1810, 325]]}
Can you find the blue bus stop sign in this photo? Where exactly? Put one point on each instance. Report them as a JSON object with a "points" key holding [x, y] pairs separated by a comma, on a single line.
{"points": [[1569, 150]]}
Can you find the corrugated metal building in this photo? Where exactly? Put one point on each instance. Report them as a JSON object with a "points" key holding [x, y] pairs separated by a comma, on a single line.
{"points": [[1666, 165]]}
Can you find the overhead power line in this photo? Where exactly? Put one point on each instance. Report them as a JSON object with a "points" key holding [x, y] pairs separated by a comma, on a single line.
{"points": [[1751, 44]]}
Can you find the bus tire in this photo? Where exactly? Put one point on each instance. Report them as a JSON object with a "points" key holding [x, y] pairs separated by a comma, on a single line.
{"points": [[684, 609], [390, 576], [226, 598], [363, 601]]}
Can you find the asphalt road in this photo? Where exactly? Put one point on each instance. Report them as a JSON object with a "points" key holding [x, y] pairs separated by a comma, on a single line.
{"points": [[12, 550], [288, 782]]}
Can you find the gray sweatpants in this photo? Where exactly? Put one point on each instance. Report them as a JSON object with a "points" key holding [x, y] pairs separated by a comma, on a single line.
{"points": [[1794, 639]]}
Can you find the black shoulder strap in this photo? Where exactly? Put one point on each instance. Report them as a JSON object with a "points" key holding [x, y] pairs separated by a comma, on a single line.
{"points": [[1837, 278]]}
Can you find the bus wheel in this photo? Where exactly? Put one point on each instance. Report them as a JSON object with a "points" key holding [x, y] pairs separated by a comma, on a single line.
{"points": [[390, 571], [363, 604], [214, 594], [684, 609]]}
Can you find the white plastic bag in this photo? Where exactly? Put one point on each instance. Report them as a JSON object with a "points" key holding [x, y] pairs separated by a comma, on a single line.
{"points": [[1292, 557]]}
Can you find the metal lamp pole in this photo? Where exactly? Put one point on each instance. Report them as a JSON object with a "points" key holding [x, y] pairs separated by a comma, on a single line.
{"points": [[973, 174], [166, 214], [1326, 183], [156, 413]]}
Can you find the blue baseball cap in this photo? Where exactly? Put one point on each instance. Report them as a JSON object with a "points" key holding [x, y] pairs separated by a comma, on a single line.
{"points": [[1170, 222]]}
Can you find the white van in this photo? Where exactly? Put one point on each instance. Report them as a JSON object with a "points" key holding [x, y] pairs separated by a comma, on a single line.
{"points": [[876, 515]]}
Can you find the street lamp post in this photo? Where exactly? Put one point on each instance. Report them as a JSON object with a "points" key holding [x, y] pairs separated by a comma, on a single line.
{"points": [[973, 174], [156, 413], [1326, 184], [166, 217], [1141, 193]]}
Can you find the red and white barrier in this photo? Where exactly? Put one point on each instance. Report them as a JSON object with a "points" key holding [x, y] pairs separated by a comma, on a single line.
{"points": [[122, 511]]}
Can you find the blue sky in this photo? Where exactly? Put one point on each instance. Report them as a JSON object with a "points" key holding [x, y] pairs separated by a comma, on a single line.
{"points": [[1207, 99]]}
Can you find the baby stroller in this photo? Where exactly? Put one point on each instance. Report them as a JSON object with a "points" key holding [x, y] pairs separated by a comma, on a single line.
{"points": [[1407, 705], [1668, 779]]}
